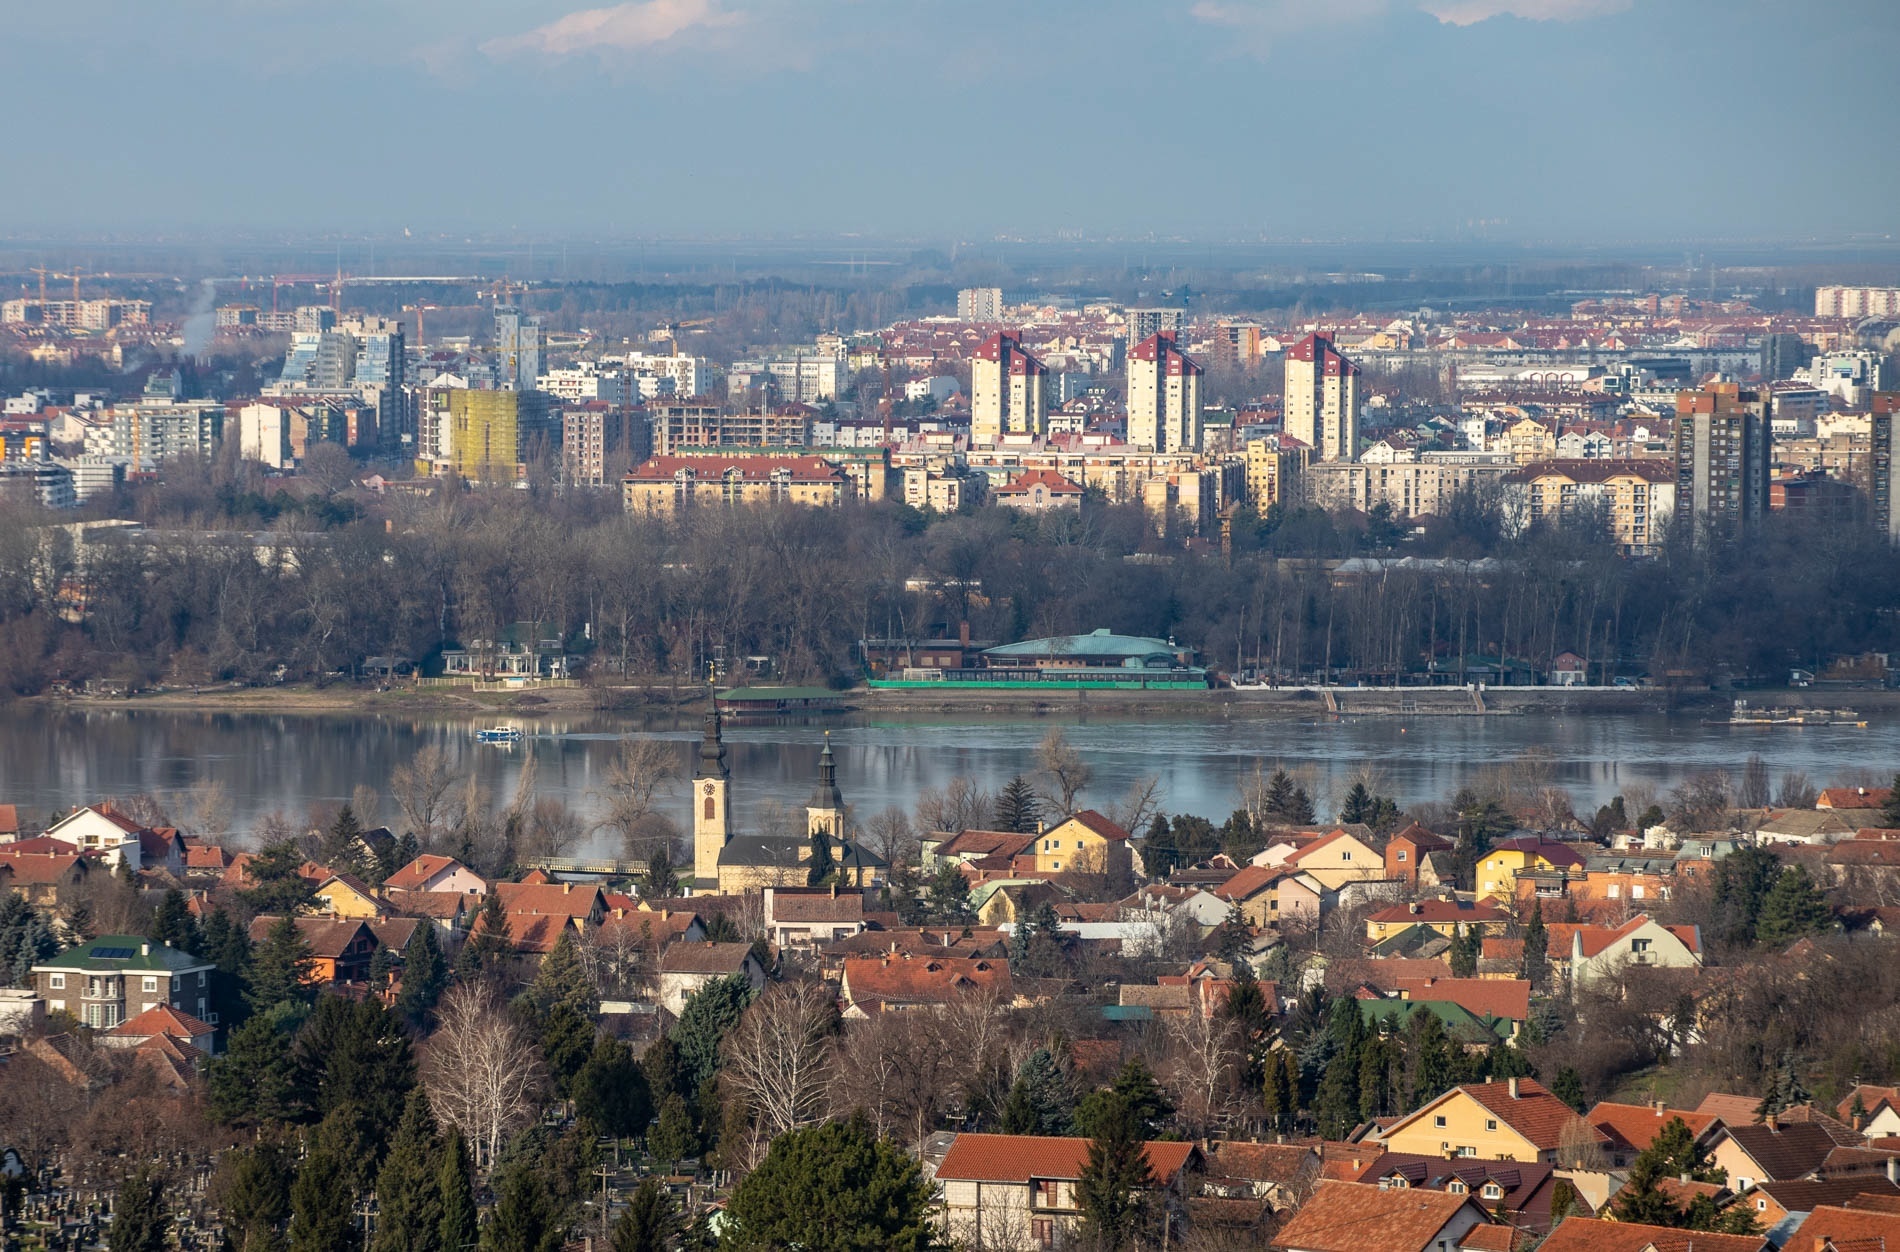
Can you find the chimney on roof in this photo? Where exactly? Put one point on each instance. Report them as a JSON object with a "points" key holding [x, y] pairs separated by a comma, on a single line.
{"points": [[1893, 1170], [1773, 1123], [1514, 1088], [566, 888], [1658, 1106], [1684, 1178], [1416, 907], [145, 949]]}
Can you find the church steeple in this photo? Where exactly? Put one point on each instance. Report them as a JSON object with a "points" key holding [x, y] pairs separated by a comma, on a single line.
{"points": [[712, 820], [825, 810], [712, 748]]}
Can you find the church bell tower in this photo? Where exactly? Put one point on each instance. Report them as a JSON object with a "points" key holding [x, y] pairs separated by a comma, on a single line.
{"points": [[712, 820], [825, 810]]}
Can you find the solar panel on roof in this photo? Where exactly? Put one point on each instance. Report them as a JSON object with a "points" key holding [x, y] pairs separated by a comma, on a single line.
{"points": [[113, 954]]}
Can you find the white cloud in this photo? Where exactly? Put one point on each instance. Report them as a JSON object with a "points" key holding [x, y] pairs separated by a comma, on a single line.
{"points": [[1467, 12], [619, 28]]}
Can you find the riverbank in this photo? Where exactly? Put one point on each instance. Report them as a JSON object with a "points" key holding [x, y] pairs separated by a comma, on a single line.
{"points": [[1293, 702]]}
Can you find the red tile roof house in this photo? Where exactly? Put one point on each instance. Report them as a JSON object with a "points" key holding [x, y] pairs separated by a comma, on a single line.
{"points": [[686, 967], [536, 913], [1523, 1189], [1829, 1229], [1038, 490], [1013, 1191], [1769, 1150], [1588, 1234], [438, 873], [164, 1021], [1633, 1127], [805, 917], [1360, 1217], [897, 983]]}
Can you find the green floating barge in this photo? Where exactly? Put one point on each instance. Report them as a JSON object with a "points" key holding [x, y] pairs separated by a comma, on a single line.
{"points": [[1100, 660]]}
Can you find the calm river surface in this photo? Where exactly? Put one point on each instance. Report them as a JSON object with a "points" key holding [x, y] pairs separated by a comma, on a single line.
{"points": [[58, 758]]}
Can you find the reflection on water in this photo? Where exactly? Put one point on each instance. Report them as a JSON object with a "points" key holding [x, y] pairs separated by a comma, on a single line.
{"points": [[57, 758]]}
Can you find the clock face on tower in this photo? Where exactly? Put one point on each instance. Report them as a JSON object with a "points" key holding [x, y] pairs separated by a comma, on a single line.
{"points": [[709, 788]]}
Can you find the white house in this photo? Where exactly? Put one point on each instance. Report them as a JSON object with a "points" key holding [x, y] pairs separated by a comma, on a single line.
{"points": [[101, 830]]}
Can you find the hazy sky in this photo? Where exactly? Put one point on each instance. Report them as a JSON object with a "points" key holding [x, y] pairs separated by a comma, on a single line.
{"points": [[1364, 119]]}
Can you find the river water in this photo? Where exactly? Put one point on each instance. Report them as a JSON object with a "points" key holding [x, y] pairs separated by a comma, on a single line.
{"points": [[56, 758]]}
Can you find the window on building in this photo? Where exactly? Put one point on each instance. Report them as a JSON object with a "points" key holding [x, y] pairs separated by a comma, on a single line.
{"points": [[1439, 1121], [150, 984], [1490, 1123], [1493, 1192], [56, 981], [1401, 854]]}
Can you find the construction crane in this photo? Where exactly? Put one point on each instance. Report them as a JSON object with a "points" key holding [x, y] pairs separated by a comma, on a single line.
{"points": [[42, 271], [417, 309], [503, 289]]}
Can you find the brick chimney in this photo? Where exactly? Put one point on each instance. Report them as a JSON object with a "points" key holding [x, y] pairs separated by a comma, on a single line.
{"points": [[1773, 1122]]}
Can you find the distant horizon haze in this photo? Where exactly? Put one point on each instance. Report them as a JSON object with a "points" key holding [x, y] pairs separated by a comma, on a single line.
{"points": [[1203, 121]]}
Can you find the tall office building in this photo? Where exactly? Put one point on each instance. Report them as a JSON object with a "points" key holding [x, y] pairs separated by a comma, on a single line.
{"points": [[518, 343], [1008, 391], [1880, 483], [1322, 399], [1723, 453], [980, 304], [1164, 397], [484, 436]]}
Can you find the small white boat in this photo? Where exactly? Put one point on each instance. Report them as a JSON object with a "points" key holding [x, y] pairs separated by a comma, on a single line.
{"points": [[498, 734]]}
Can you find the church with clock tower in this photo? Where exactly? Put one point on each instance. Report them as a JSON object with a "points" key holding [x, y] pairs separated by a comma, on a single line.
{"points": [[712, 815]]}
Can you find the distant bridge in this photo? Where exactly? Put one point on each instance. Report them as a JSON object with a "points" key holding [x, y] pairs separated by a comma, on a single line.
{"points": [[582, 865]]}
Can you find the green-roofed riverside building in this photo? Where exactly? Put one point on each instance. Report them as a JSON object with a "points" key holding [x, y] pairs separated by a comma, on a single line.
{"points": [[114, 978]]}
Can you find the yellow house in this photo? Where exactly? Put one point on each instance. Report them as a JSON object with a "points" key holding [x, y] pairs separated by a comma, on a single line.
{"points": [[1513, 1120], [1449, 918], [346, 895], [1497, 872], [1086, 843], [1338, 858]]}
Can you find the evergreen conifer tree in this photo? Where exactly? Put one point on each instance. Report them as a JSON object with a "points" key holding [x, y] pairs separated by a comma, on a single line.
{"points": [[1279, 796], [253, 1189], [703, 1022], [342, 843], [425, 972], [255, 1081], [458, 1193], [1793, 907], [1434, 1064], [1358, 805], [1890, 811], [611, 1090], [673, 1137], [1115, 1177], [526, 1216], [1568, 1087], [279, 969], [1040, 1101], [323, 1197], [649, 1223], [409, 1187], [140, 1216], [1159, 854], [1534, 965], [820, 865], [1300, 809], [1017, 807], [174, 926]]}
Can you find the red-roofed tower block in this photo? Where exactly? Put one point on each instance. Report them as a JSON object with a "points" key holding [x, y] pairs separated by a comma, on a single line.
{"points": [[1322, 399], [1164, 396], [1009, 391]]}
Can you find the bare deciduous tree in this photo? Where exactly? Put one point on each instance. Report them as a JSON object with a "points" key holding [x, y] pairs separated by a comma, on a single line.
{"points": [[206, 810], [1700, 802], [421, 789], [889, 834], [551, 829], [482, 1070], [778, 1059], [1138, 805], [638, 774], [1064, 768], [367, 803], [1797, 791], [958, 805], [1753, 792], [1204, 1051]]}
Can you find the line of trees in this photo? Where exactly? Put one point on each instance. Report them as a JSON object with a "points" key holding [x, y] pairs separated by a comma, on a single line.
{"points": [[347, 576]]}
